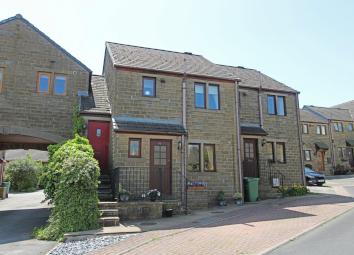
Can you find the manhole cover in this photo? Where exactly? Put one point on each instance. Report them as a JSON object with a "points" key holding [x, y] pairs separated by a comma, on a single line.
{"points": [[148, 223], [217, 212]]}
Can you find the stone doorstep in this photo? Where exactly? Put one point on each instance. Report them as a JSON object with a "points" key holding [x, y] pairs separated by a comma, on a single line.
{"points": [[105, 231]]}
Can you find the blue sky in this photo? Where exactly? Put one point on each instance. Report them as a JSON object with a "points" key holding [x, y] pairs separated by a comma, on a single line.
{"points": [[308, 45]]}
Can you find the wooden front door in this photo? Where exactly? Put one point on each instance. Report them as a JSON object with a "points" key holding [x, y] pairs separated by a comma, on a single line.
{"points": [[160, 165], [321, 160], [98, 135], [250, 158]]}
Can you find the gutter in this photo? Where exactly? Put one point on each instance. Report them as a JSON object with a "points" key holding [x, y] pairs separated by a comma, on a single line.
{"points": [[260, 106], [331, 142], [300, 137], [238, 134]]}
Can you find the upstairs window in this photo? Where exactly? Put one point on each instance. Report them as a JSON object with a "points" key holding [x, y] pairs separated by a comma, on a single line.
{"points": [[1, 78], [149, 87], [213, 97], [276, 105], [338, 126], [305, 128], [43, 82], [199, 94], [350, 125], [321, 130], [271, 105], [59, 85]]}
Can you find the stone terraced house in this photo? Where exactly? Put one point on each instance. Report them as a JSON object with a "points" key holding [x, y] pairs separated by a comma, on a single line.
{"points": [[156, 119], [328, 138]]}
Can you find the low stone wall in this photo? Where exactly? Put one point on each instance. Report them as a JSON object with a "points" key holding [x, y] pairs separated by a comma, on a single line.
{"points": [[139, 210]]}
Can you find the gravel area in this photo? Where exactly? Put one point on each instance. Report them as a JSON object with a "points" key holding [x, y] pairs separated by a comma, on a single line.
{"points": [[86, 246]]}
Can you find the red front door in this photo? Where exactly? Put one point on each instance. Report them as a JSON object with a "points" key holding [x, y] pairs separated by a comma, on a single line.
{"points": [[98, 135]]}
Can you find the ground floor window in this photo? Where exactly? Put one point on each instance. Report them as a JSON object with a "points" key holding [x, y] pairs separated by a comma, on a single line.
{"points": [[280, 150], [201, 156], [193, 163], [269, 148], [209, 157], [307, 155], [134, 148], [342, 153]]}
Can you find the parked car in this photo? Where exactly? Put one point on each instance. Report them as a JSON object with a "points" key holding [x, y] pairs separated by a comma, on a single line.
{"points": [[313, 177]]}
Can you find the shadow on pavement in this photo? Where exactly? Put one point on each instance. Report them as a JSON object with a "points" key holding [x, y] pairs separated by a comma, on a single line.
{"points": [[18, 225]]}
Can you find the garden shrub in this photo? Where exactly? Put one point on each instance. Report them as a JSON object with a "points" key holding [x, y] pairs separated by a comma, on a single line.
{"points": [[23, 174], [294, 190], [75, 196], [57, 154]]}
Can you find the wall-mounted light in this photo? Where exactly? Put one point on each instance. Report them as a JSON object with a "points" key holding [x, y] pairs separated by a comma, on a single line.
{"points": [[263, 142], [179, 145]]}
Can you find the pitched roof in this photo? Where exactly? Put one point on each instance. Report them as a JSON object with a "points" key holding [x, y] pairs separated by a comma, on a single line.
{"points": [[97, 101], [20, 18], [347, 105], [254, 79], [307, 116], [145, 125], [330, 113], [165, 61]]}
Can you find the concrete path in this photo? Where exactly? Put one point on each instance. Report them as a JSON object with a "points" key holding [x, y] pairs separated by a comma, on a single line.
{"points": [[249, 230], [19, 214]]}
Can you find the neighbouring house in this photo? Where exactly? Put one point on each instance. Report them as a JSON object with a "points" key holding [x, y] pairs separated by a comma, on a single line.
{"points": [[334, 125], [39, 86], [178, 118], [156, 119]]}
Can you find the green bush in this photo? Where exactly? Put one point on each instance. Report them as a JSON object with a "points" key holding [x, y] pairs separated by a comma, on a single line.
{"points": [[23, 174], [75, 197], [294, 190], [57, 154]]}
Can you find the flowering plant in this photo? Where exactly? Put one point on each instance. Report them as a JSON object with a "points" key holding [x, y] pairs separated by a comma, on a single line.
{"points": [[152, 194]]}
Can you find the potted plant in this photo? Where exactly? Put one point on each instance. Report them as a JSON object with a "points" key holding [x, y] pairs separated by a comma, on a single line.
{"points": [[124, 195], [153, 195], [221, 198], [238, 198]]}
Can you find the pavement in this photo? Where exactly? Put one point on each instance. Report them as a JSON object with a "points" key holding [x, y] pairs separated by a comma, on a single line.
{"points": [[334, 237], [251, 229], [19, 214]]}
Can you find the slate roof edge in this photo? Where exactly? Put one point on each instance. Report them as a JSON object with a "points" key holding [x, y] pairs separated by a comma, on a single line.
{"points": [[22, 19]]}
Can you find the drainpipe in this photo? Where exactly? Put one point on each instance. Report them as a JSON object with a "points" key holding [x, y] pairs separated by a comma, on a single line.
{"points": [[331, 142], [261, 121], [300, 137], [238, 134], [184, 143]]}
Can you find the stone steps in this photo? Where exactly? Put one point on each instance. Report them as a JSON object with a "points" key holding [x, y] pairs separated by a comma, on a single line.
{"points": [[105, 188], [109, 214]]}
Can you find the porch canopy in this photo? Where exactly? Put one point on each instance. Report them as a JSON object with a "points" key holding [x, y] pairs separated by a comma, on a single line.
{"points": [[252, 130], [125, 124], [321, 146], [350, 142]]}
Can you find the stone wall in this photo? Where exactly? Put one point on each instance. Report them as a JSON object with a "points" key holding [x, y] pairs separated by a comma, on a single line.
{"points": [[23, 54]]}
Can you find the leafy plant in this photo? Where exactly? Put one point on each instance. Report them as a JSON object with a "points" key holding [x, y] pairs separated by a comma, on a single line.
{"points": [[220, 196], [23, 174], [237, 196], [75, 195], [153, 195], [57, 154], [78, 122], [294, 190]]}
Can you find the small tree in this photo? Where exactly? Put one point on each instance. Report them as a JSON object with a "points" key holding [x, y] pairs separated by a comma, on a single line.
{"points": [[23, 174], [57, 155], [75, 197]]}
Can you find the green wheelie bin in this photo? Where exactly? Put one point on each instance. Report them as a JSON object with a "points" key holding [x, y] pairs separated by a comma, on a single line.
{"points": [[251, 189]]}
